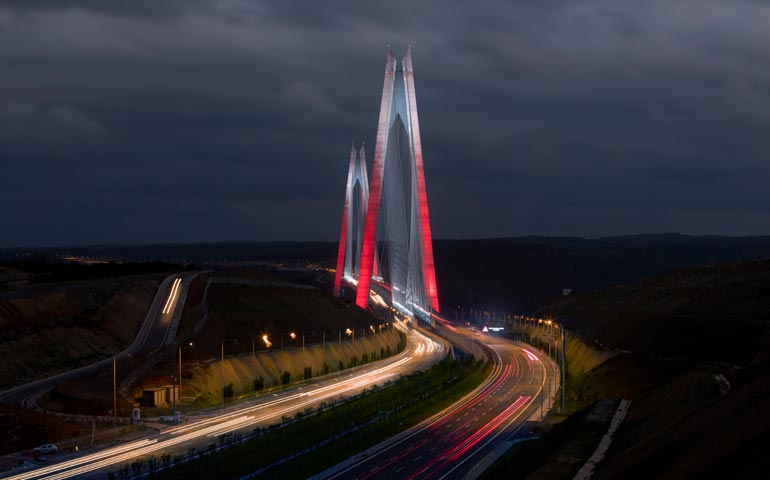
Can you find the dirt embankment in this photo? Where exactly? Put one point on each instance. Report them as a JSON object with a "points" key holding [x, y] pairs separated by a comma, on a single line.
{"points": [[59, 330], [693, 354], [203, 382], [241, 314], [711, 313]]}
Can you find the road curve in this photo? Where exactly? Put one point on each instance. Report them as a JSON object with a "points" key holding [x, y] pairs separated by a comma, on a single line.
{"points": [[158, 328], [452, 443], [421, 353]]}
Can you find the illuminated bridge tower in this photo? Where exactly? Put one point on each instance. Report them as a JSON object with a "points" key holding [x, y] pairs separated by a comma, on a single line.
{"points": [[397, 229], [353, 218]]}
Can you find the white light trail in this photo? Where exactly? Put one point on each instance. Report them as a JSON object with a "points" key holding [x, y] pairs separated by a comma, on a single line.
{"points": [[172, 296], [240, 419], [78, 461]]}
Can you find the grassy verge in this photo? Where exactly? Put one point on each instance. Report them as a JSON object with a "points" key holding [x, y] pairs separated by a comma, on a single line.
{"points": [[355, 425], [559, 453]]}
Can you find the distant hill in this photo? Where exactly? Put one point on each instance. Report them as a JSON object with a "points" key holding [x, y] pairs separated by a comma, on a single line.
{"points": [[717, 312], [521, 273], [508, 274]]}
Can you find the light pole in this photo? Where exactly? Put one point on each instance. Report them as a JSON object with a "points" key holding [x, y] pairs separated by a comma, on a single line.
{"points": [[563, 367], [222, 371], [293, 336], [253, 371], [173, 387], [115, 396]]}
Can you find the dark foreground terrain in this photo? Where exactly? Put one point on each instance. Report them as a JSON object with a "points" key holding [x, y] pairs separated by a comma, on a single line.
{"points": [[692, 351]]}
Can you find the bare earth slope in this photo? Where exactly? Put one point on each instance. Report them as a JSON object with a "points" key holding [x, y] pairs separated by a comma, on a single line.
{"points": [[717, 312], [43, 333], [710, 419]]}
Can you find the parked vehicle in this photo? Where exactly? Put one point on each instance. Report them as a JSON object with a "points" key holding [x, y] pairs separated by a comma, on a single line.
{"points": [[46, 449]]}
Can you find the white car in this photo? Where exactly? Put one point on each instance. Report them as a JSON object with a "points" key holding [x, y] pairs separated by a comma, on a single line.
{"points": [[46, 449]]}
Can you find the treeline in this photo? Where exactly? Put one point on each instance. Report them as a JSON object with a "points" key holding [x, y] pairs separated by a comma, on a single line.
{"points": [[45, 269]]}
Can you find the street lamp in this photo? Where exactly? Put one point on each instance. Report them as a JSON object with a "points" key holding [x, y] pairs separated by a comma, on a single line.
{"points": [[293, 336], [178, 390], [222, 368]]}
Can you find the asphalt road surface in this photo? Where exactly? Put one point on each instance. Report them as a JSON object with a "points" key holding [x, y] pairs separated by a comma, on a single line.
{"points": [[452, 443], [421, 353]]}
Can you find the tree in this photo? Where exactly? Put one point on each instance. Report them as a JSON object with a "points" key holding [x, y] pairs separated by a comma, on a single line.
{"points": [[228, 390], [259, 383]]}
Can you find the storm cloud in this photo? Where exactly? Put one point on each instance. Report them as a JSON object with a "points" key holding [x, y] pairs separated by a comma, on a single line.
{"points": [[178, 121]]}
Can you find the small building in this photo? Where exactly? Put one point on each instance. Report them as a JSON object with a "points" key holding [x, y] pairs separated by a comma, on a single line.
{"points": [[160, 396], [172, 393], [154, 397]]}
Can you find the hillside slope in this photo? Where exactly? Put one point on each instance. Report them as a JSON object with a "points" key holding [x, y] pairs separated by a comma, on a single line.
{"points": [[45, 333], [706, 415], [717, 313]]}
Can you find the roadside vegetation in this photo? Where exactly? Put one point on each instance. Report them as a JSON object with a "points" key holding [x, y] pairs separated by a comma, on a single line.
{"points": [[314, 440], [39, 269], [246, 374], [690, 349], [272, 331]]}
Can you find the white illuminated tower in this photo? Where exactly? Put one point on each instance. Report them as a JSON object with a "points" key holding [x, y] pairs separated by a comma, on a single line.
{"points": [[353, 218], [397, 228]]}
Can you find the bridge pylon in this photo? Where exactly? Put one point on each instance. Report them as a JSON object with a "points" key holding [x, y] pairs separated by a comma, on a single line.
{"points": [[397, 217]]}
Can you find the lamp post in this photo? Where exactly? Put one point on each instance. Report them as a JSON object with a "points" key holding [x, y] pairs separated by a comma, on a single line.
{"points": [[173, 386], [293, 336], [253, 371], [222, 367], [222, 371], [563, 367], [115, 397], [180, 377]]}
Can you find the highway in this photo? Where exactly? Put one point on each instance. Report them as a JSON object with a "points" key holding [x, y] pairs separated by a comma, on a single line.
{"points": [[158, 329], [421, 352], [451, 444]]}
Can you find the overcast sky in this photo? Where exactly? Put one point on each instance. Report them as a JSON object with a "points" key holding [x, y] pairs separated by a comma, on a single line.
{"points": [[149, 121]]}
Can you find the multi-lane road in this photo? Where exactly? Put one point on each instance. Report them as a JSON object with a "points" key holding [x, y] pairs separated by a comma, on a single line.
{"points": [[158, 329], [420, 354], [453, 443]]}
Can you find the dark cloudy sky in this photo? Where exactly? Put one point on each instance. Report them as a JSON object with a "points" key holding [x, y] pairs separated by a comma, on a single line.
{"points": [[194, 120]]}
